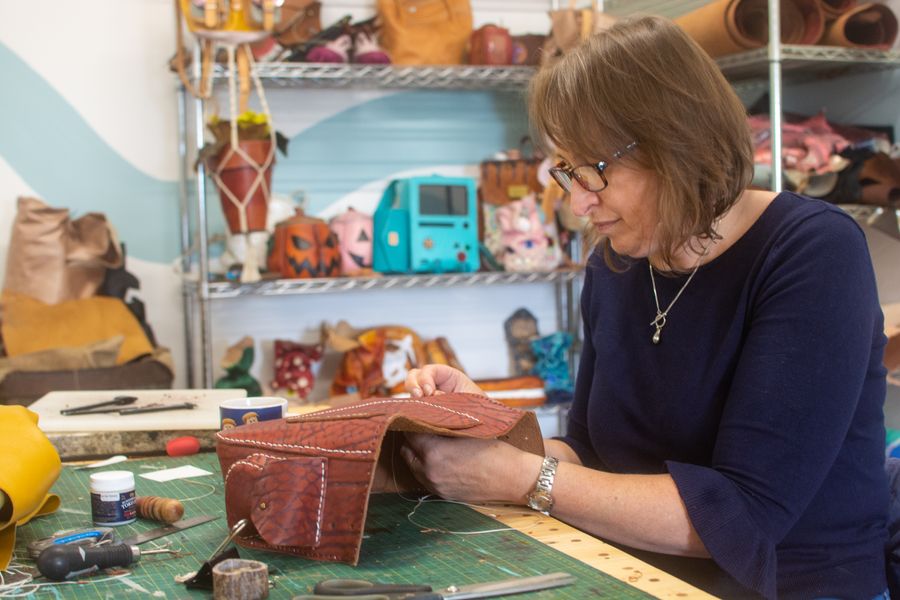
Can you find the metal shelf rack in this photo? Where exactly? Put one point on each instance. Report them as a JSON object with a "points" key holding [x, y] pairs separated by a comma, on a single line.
{"points": [[798, 64], [771, 65], [337, 76], [326, 285], [806, 63]]}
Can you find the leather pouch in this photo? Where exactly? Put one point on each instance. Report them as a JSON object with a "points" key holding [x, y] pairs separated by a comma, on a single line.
{"points": [[304, 481]]}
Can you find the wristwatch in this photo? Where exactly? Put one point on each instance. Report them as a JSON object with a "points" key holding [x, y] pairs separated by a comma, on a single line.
{"points": [[539, 498]]}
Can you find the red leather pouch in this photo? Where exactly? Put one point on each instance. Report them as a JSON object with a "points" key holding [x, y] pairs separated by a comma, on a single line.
{"points": [[304, 481]]}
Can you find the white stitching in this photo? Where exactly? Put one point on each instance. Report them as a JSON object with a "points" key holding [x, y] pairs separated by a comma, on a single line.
{"points": [[375, 403], [240, 462], [276, 458], [299, 446], [321, 505], [250, 464]]}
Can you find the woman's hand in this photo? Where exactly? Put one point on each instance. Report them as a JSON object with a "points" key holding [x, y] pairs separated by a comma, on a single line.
{"points": [[469, 469], [438, 378]]}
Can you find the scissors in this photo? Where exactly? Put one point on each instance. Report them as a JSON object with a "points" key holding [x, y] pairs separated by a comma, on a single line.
{"points": [[356, 589]]}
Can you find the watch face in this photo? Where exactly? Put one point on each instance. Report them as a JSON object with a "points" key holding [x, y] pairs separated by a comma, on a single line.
{"points": [[541, 501]]}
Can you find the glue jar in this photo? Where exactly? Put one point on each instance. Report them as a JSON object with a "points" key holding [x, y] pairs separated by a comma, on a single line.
{"points": [[112, 498]]}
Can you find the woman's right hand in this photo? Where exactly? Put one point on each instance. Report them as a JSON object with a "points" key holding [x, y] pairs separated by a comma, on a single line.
{"points": [[431, 379]]}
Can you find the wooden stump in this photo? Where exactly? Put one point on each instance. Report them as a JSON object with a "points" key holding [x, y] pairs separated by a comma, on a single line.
{"points": [[240, 579]]}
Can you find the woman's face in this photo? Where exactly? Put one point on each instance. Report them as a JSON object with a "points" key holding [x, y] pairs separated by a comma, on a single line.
{"points": [[625, 212]]}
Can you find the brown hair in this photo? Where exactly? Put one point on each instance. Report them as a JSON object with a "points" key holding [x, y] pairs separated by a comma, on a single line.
{"points": [[645, 80]]}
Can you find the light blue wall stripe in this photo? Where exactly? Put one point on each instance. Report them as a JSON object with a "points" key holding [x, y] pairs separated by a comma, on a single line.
{"points": [[398, 132], [51, 147], [67, 164]]}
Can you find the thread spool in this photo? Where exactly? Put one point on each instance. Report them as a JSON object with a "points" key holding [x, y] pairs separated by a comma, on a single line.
{"points": [[240, 579], [166, 510]]}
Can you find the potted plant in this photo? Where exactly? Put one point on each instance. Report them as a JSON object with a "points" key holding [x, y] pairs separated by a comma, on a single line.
{"points": [[240, 160]]}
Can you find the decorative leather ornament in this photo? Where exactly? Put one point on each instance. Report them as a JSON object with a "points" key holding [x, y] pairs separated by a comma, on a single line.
{"points": [[491, 45], [304, 247], [304, 481], [379, 361], [354, 232], [300, 21], [296, 366]]}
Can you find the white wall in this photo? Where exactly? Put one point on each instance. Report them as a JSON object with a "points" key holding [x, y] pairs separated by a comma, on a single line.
{"points": [[92, 89]]}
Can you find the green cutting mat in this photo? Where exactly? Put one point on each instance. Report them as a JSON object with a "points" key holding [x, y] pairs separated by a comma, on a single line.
{"points": [[393, 549]]}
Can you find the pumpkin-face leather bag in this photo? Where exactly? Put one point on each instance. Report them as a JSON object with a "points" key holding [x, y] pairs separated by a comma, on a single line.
{"points": [[304, 481]]}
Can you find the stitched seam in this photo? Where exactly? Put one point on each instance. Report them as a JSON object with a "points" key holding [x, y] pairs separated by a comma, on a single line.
{"points": [[260, 444], [240, 462], [379, 402], [321, 505], [250, 464], [258, 541]]}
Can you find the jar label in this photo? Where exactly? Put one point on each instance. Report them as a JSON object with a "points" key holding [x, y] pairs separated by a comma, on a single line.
{"points": [[113, 508]]}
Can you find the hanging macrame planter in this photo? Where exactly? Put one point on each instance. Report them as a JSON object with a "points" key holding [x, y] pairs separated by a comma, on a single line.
{"points": [[241, 159]]}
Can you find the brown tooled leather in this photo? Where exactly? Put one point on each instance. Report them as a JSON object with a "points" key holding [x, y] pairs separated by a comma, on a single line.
{"points": [[304, 481]]}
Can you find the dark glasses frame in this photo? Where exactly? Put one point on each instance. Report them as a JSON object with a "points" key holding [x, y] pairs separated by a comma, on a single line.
{"points": [[564, 174]]}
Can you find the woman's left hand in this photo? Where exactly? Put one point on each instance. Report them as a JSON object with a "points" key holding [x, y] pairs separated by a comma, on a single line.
{"points": [[470, 469]]}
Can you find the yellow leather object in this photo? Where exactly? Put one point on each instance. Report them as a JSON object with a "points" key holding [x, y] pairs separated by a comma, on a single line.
{"points": [[29, 465], [29, 325], [213, 17]]}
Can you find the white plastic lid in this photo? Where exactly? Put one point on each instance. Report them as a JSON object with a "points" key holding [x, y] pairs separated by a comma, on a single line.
{"points": [[112, 481]]}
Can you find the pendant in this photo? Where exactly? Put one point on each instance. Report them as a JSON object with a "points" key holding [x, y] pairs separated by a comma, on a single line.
{"points": [[659, 322]]}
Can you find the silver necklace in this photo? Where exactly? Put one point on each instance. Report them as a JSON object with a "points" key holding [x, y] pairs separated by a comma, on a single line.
{"points": [[660, 320]]}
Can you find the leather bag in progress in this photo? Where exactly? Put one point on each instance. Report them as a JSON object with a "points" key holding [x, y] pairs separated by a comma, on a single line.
{"points": [[54, 258], [304, 481]]}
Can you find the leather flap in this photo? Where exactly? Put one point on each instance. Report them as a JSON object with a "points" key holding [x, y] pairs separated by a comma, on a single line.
{"points": [[289, 500]]}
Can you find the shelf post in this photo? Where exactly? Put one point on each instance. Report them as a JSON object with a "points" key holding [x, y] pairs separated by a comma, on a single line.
{"points": [[185, 218], [205, 324], [775, 91]]}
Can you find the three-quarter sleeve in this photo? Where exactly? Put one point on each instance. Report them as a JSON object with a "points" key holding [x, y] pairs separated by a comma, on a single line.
{"points": [[812, 344]]}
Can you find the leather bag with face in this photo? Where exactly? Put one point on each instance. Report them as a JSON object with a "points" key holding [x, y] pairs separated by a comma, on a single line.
{"points": [[304, 247], [304, 481], [354, 232]]}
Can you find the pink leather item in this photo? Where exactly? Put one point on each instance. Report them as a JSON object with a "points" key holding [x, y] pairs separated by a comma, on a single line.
{"points": [[304, 481]]}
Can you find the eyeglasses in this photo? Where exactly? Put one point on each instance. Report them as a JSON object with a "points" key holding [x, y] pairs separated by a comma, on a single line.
{"points": [[590, 176]]}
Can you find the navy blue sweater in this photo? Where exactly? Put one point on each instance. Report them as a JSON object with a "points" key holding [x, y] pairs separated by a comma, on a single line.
{"points": [[764, 400]]}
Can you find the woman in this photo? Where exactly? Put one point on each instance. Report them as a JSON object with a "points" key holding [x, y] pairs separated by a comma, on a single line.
{"points": [[728, 404]]}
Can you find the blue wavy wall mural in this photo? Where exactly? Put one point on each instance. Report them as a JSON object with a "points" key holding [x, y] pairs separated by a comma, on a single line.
{"points": [[50, 146], [411, 130], [67, 164]]}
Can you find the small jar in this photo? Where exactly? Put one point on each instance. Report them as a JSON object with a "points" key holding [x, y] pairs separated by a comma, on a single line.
{"points": [[112, 498]]}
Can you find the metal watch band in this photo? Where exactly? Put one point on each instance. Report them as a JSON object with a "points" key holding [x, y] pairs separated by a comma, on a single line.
{"points": [[540, 498]]}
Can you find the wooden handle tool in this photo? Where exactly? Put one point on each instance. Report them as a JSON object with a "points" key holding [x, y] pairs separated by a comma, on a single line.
{"points": [[166, 510]]}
